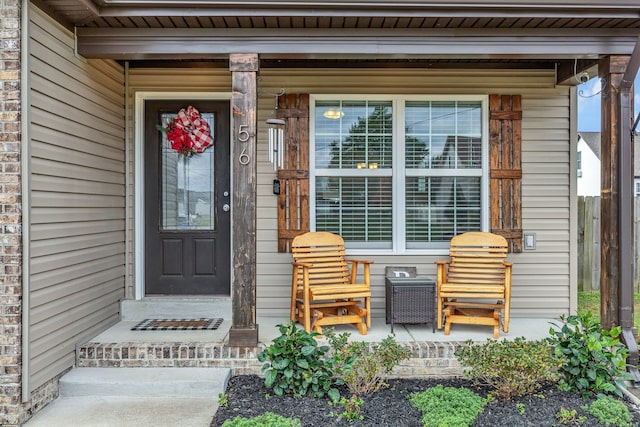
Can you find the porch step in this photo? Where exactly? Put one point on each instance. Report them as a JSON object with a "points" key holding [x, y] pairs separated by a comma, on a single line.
{"points": [[145, 382], [176, 308], [96, 397]]}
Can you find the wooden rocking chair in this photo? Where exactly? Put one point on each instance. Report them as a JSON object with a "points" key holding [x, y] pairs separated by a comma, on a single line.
{"points": [[476, 272], [324, 290]]}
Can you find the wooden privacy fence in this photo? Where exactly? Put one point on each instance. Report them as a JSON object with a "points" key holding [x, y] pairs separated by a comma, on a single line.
{"points": [[589, 243]]}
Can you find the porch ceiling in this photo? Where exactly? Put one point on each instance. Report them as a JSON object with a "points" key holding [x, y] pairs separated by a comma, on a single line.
{"points": [[371, 14], [458, 33]]}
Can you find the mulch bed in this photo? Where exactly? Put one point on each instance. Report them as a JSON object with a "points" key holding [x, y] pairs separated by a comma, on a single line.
{"points": [[248, 397]]}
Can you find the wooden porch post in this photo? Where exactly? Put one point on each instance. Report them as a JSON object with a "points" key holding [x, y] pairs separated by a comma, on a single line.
{"points": [[611, 69], [244, 68]]}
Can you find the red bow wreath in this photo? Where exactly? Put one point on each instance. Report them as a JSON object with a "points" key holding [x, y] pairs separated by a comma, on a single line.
{"points": [[188, 133]]}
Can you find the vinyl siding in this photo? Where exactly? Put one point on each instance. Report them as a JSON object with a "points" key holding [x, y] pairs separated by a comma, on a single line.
{"points": [[77, 174], [541, 285]]}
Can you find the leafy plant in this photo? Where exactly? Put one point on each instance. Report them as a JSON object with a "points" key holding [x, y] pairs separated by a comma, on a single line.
{"points": [[366, 366], [295, 364], [223, 400], [268, 419], [511, 368], [339, 359], [351, 408], [520, 407], [610, 412], [594, 357], [447, 406], [566, 416]]}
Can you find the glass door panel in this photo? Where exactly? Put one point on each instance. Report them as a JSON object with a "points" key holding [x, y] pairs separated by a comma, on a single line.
{"points": [[188, 201]]}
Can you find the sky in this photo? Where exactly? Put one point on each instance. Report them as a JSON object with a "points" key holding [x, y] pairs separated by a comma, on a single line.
{"points": [[589, 104]]}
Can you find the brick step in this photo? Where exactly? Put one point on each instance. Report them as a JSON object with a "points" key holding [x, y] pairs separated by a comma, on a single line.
{"points": [[431, 359]]}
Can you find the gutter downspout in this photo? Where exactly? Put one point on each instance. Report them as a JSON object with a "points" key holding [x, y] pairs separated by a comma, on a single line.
{"points": [[25, 191], [625, 212]]}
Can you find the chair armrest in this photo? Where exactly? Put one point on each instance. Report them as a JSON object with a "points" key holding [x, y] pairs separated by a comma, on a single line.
{"points": [[354, 270], [441, 276], [360, 261], [302, 264]]}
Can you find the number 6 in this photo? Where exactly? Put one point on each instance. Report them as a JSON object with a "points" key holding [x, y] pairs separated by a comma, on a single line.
{"points": [[243, 133], [244, 158]]}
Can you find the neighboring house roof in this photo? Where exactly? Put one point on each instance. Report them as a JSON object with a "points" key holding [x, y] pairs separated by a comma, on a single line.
{"points": [[593, 141]]}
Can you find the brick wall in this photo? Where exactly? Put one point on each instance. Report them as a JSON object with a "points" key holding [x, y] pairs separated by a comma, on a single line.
{"points": [[12, 411]]}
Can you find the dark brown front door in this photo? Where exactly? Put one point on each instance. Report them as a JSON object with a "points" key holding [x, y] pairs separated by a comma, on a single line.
{"points": [[187, 218]]}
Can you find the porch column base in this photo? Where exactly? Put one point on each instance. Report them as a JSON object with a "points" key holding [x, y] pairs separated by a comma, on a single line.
{"points": [[243, 337]]}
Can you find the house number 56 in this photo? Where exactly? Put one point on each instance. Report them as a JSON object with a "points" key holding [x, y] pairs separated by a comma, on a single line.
{"points": [[243, 136]]}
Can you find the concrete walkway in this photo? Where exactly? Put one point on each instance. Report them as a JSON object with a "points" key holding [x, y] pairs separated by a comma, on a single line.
{"points": [[111, 411]]}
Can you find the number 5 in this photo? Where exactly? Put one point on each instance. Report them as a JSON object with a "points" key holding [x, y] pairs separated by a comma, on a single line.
{"points": [[243, 133]]}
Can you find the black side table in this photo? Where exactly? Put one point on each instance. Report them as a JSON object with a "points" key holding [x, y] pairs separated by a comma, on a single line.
{"points": [[410, 300]]}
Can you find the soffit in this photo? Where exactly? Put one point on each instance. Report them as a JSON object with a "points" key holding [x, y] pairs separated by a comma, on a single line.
{"points": [[329, 14], [460, 33]]}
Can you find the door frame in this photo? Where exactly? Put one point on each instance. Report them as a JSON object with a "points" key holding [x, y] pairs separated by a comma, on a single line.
{"points": [[138, 173]]}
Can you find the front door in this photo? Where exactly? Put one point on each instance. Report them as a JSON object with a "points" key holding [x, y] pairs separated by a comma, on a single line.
{"points": [[187, 218]]}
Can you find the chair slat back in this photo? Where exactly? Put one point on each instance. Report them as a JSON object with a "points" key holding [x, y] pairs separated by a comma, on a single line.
{"points": [[326, 252], [477, 258]]}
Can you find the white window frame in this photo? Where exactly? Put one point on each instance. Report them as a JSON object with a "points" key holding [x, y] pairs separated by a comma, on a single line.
{"points": [[398, 171]]}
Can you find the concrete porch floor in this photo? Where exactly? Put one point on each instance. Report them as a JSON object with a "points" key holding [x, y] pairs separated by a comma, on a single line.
{"points": [[530, 328]]}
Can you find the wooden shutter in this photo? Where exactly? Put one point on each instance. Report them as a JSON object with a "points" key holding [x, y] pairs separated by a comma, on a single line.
{"points": [[505, 135], [293, 201]]}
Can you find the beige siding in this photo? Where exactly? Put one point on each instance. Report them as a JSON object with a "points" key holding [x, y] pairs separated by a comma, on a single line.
{"points": [[77, 172], [541, 277]]}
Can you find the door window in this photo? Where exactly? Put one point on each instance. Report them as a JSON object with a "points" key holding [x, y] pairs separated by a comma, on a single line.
{"points": [[187, 186]]}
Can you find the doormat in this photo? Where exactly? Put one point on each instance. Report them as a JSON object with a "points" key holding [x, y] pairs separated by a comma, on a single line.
{"points": [[178, 324]]}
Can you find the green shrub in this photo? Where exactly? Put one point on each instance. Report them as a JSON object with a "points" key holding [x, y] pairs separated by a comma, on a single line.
{"points": [[610, 412], [566, 416], [511, 368], [447, 406], [366, 367], [295, 364], [352, 408], [594, 358], [269, 419], [223, 400]]}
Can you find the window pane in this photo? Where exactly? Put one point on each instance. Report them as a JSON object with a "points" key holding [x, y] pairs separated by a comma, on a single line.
{"points": [[353, 134], [353, 138], [438, 208], [359, 209], [187, 186], [443, 135]]}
